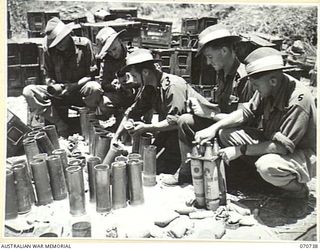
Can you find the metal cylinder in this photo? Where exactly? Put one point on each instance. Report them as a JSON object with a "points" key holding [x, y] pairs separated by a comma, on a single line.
{"points": [[52, 134], [135, 143], [88, 116], [22, 184], [81, 229], [145, 140], [114, 151], [57, 179], [97, 133], [29, 179], [83, 121], [31, 149], [134, 156], [44, 143], [11, 197], [149, 165], [93, 125], [42, 181], [91, 163], [119, 184], [121, 158], [124, 159], [83, 160], [32, 133], [211, 182], [102, 188], [102, 145], [76, 190], [197, 175], [40, 156], [63, 157], [74, 162], [135, 182]]}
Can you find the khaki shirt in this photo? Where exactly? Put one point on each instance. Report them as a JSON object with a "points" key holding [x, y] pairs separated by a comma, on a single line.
{"points": [[290, 118], [71, 68], [232, 88]]}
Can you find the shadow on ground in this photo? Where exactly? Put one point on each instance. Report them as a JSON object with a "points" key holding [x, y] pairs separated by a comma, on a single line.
{"points": [[264, 199]]}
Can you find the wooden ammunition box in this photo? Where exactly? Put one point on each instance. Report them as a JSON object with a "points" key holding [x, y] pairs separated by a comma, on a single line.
{"points": [[35, 34], [125, 13], [155, 34], [36, 21], [196, 25], [14, 77]]}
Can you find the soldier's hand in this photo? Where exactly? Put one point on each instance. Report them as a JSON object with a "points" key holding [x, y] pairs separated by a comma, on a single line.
{"points": [[230, 153], [139, 128], [205, 135]]}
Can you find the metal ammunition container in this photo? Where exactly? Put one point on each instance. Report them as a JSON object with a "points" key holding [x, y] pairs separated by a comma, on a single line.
{"points": [[145, 140], [121, 158], [114, 151], [93, 125], [91, 163], [119, 184], [149, 165], [211, 182], [52, 134], [63, 157], [124, 159], [88, 116], [76, 190], [44, 143], [135, 182], [29, 179], [32, 133], [221, 174], [11, 197], [81, 229], [102, 188], [197, 175], [83, 122], [22, 184], [102, 145], [40, 156], [57, 179], [31, 149], [74, 162], [42, 181], [134, 156], [97, 133], [135, 143]]}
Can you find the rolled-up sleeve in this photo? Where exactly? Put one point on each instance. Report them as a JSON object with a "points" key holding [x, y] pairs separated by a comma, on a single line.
{"points": [[253, 107], [293, 127], [175, 97]]}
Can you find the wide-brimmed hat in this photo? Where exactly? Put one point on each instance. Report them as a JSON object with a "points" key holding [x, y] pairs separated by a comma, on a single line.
{"points": [[218, 33], [264, 59], [139, 56], [55, 31], [105, 38]]}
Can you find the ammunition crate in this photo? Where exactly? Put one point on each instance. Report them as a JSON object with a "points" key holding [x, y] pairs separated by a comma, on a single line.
{"points": [[196, 25], [14, 77], [15, 132], [34, 34], [167, 59], [76, 20], [22, 53], [185, 41], [13, 53], [207, 91], [31, 74], [50, 14], [155, 34], [124, 12], [21, 75], [36, 21]]}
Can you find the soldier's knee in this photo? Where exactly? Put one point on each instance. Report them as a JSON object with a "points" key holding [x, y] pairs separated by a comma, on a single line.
{"points": [[93, 86], [27, 90], [264, 164]]}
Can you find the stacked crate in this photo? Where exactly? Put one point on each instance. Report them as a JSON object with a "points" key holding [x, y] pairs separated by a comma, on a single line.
{"points": [[37, 21], [23, 66], [125, 13], [155, 34]]}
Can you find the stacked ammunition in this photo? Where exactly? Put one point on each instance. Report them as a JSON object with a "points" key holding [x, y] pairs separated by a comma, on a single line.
{"points": [[208, 175]]}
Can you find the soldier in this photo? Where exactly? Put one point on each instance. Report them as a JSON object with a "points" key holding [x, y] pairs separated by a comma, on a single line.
{"points": [[69, 64], [285, 150], [216, 43], [119, 92], [167, 96]]}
